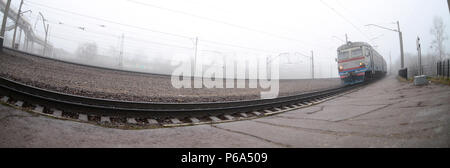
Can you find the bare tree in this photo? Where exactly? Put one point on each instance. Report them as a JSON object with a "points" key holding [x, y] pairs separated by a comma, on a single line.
{"points": [[439, 36], [87, 51]]}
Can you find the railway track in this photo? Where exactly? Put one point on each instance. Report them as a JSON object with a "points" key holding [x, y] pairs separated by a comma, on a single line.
{"points": [[147, 114]]}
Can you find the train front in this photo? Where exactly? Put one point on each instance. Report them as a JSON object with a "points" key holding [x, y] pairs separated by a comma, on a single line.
{"points": [[351, 63]]}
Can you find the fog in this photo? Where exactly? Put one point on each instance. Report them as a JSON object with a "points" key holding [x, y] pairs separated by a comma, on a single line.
{"points": [[155, 35]]}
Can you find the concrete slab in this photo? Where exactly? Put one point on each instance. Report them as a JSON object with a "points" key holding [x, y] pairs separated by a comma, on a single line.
{"points": [[420, 80]]}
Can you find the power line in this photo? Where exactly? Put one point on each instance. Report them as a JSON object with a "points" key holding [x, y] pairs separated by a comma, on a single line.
{"points": [[84, 29], [137, 27], [108, 21], [218, 21], [99, 47], [343, 17]]}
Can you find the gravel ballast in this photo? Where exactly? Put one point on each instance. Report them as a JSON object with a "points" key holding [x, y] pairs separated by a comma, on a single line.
{"points": [[120, 85]]}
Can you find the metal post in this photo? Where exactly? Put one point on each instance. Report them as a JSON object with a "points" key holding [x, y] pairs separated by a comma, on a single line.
{"points": [[437, 68], [390, 63], [45, 44], [20, 38], [346, 38], [122, 39], [419, 54], [448, 69], [2, 30], [312, 64], [195, 56], [15, 26], [401, 45], [441, 69]]}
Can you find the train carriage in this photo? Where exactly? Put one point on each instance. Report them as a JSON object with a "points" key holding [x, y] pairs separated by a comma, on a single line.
{"points": [[358, 61]]}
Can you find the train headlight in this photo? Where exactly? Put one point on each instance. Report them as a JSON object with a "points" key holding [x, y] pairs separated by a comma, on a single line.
{"points": [[362, 64]]}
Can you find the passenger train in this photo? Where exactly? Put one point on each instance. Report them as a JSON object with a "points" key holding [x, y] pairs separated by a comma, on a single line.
{"points": [[358, 62]]}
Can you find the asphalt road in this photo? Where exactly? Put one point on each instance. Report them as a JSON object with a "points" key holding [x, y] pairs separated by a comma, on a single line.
{"points": [[388, 113]]}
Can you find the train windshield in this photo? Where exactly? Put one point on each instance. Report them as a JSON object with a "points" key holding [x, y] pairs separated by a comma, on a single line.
{"points": [[343, 55], [357, 52]]}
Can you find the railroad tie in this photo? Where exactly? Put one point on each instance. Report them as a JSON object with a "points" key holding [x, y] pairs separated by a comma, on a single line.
{"points": [[268, 111], [152, 121], [38, 109], [194, 120], [256, 113], [105, 119], [19, 103], [175, 121], [57, 113], [228, 117], [4, 99], [214, 118], [131, 121], [243, 114], [83, 117]]}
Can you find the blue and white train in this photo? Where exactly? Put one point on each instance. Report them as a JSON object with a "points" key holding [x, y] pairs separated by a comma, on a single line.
{"points": [[358, 61]]}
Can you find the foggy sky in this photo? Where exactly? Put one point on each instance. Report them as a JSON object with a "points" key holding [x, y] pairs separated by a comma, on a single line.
{"points": [[267, 27]]}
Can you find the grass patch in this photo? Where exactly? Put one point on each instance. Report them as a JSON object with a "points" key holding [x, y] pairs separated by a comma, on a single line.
{"points": [[403, 79], [441, 80]]}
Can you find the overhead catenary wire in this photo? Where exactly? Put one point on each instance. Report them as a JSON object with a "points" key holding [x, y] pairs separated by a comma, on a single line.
{"points": [[106, 20], [345, 18], [137, 27], [220, 21]]}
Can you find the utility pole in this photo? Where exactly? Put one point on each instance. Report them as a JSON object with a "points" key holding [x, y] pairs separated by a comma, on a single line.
{"points": [[46, 33], [419, 53], [390, 63], [2, 30], [401, 44], [346, 38], [15, 26], [312, 64], [122, 39], [400, 39], [195, 56]]}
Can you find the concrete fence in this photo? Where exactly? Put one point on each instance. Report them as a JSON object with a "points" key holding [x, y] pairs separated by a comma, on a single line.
{"points": [[443, 68]]}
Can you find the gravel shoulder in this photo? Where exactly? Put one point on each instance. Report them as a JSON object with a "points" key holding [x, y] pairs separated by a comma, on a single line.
{"points": [[119, 85]]}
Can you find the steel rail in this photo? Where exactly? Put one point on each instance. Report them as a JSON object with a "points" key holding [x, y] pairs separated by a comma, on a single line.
{"points": [[97, 106]]}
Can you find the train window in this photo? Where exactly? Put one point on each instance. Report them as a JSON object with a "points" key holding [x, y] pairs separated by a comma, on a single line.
{"points": [[343, 55], [357, 52]]}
